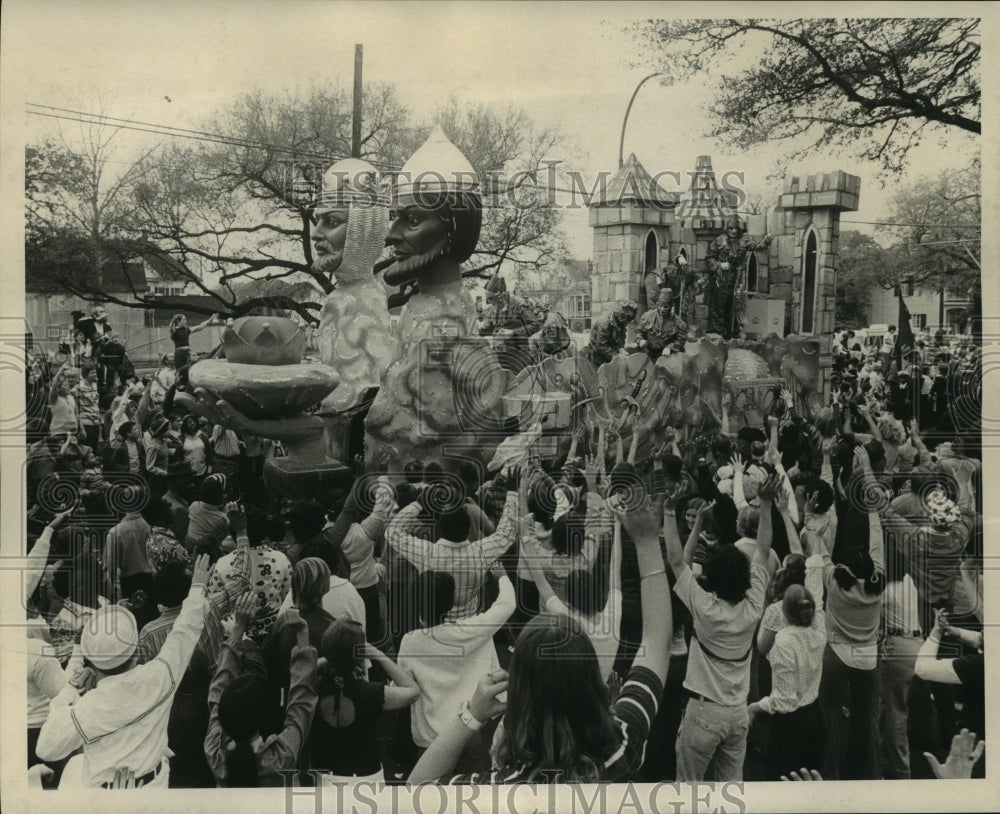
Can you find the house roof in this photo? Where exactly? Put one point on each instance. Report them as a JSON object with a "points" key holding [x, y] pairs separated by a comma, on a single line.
{"points": [[633, 182]]}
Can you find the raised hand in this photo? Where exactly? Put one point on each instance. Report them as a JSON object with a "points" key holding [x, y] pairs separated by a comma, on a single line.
{"points": [[484, 704], [57, 521], [803, 774], [706, 510], [862, 460], [643, 523], [243, 611], [962, 757], [769, 489], [237, 519], [781, 501], [202, 565]]}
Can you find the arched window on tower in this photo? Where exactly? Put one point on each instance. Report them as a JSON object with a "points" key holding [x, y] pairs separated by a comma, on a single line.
{"points": [[652, 252], [752, 274], [810, 267]]}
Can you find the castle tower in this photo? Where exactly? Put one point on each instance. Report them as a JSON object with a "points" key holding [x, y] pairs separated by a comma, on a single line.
{"points": [[631, 218], [803, 255]]}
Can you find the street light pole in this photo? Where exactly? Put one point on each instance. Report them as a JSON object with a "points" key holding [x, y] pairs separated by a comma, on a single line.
{"points": [[621, 142]]}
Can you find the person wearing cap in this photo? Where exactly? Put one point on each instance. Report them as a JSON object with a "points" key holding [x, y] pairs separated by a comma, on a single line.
{"points": [[511, 320], [123, 720], [607, 336], [932, 550], [109, 349], [903, 396], [660, 330], [443, 380], [157, 452]]}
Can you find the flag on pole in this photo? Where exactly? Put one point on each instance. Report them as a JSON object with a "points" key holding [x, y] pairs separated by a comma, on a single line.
{"points": [[905, 342]]}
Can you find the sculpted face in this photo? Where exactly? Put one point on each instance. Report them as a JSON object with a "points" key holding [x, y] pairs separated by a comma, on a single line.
{"points": [[417, 237], [329, 235]]}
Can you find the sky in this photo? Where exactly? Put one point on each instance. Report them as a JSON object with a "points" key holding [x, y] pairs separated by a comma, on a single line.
{"points": [[566, 64]]}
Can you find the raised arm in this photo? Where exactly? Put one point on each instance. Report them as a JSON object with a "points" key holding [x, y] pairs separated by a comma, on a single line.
{"points": [[644, 525], [398, 536], [691, 545], [739, 498], [929, 667], [672, 542], [876, 540], [765, 533], [783, 503], [506, 534]]}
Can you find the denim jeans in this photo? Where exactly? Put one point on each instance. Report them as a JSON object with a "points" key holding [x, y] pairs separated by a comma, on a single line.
{"points": [[712, 742], [895, 674]]}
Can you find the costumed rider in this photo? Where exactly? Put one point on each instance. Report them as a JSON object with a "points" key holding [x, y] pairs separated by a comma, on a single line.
{"points": [[607, 337], [443, 386], [511, 320], [660, 330]]}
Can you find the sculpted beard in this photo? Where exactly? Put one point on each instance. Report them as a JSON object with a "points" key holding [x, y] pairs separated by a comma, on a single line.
{"points": [[406, 268], [327, 263]]}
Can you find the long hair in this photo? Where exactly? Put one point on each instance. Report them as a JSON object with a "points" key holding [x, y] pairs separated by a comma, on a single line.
{"points": [[310, 582], [343, 648], [792, 572], [558, 724], [239, 716], [798, 606]]}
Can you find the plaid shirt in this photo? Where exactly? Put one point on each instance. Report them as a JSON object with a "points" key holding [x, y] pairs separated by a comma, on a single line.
{"points": [[468, 562]]}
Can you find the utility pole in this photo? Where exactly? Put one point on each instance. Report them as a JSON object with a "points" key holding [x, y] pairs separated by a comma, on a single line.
{"points": [[356, 129]]}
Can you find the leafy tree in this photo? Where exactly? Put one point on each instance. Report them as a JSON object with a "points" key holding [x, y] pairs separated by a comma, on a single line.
{"points": [[240, 212], [876, 86], [861, 265], [520, 225], [938, 219]]}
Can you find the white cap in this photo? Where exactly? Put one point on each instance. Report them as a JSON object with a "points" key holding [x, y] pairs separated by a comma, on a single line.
{"points": [[109, 637], [436, 169], [351, 182]]}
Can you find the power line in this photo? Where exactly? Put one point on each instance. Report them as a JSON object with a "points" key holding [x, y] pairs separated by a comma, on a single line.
{"points": [[178, 132], [103, 120], [939, 225]]}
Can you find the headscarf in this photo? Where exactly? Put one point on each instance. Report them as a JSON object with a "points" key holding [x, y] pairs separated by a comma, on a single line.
{"points": [[942, 510]]}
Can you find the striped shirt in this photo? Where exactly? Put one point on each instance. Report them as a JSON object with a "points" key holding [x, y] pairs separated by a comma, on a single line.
{"points": [[634, 712], [154, 634], [797, 656], [468, 562], [87, 403]]}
